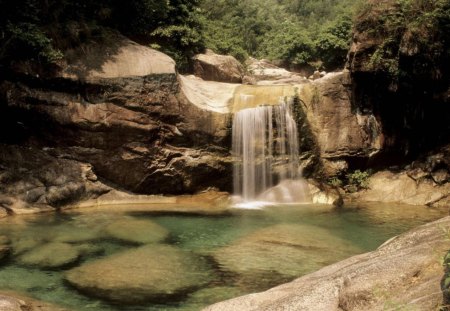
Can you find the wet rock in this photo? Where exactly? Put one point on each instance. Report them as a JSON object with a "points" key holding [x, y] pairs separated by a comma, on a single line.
{"points": [[212, 295], [21, 244], [152, 272], [137, 231], [50, 255], [287, 250], [215, 67], [403, 270], [68, 234]]}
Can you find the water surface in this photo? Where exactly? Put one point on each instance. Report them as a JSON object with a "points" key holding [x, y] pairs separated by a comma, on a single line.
{"points": [[245, 250]]}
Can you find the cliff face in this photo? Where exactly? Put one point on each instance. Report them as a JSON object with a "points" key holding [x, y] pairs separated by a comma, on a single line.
{"points": [[115, 107], [399, 61]]}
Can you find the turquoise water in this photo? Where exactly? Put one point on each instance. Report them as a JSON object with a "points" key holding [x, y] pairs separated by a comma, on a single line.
{"points": [[339, 233]]}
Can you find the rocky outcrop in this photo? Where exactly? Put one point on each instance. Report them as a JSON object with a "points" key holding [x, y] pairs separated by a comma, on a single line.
{"points": [[341, 132], [405, 272], [114, 114], [221, 68], [142, 274], [425, 181]]}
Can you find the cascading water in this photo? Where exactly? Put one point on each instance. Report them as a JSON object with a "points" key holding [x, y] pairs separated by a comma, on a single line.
{"points": [[265, 150]]}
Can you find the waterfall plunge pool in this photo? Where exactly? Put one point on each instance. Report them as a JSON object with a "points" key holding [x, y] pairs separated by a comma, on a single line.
{"points": [[130, 260]]}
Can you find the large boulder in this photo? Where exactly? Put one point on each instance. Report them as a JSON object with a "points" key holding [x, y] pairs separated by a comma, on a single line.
{"points": [[152, 272], [404, 273], [221, 68]]}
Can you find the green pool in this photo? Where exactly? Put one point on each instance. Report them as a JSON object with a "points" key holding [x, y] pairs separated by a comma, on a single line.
{"points": [[129, 259]]}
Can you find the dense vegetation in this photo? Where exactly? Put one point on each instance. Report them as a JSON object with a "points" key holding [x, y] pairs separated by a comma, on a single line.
{"points": [[40, 29], [292, 32], [414, 37]]}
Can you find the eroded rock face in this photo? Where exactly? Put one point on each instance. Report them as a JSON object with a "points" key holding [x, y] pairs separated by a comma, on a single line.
{"points": [[11, 301], [147, 273], [404, 272], [116, 109], [220, 68], [340, 131]]}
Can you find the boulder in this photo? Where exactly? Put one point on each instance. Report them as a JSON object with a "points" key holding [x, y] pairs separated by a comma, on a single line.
{"points": [[221, 68], [138, 231], [404, 273], [282, 252], [50, 255], [151, 272], [386, 186], [263, 72]]}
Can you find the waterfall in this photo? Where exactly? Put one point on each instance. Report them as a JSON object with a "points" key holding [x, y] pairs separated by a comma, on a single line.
{"points": [[265, 148]]}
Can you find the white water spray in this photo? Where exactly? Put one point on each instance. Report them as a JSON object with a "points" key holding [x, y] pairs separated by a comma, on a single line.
{"points": [[265, 150]]}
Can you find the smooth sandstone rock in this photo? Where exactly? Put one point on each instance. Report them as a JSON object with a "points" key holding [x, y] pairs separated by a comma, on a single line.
{"points": [[221, 68], [150, 272]]}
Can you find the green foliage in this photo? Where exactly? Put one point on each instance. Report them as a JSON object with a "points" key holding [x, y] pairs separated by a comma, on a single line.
{"points": [[335, 182], [291, 32], [407, 28], [34, 29], [357, 180]]}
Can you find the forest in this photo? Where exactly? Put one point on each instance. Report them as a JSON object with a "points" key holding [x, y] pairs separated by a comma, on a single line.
{"points": [[290, 32]]}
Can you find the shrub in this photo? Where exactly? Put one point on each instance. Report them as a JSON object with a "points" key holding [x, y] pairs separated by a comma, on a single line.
{"points": [[357, 180]]}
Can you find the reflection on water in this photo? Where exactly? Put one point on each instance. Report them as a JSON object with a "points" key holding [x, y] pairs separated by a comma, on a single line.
{"points": [[242, 251]]}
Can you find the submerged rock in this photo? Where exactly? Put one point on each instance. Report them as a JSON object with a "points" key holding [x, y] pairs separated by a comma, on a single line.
{"points": [[4, 247], [151, 272], [288, 250], [50, 255], [137, 231], [405, 272]]}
